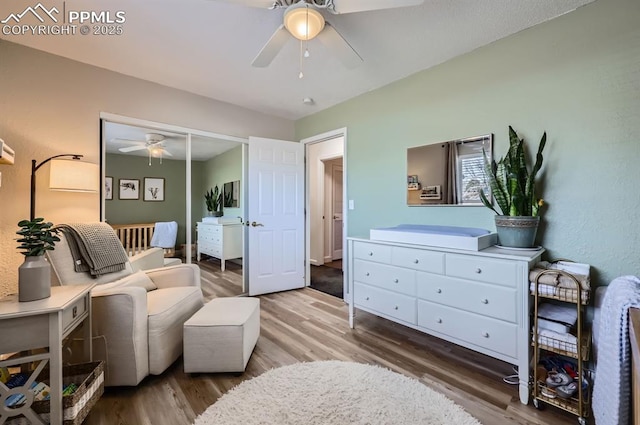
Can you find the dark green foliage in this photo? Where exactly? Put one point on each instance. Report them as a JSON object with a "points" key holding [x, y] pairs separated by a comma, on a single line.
{"points": [[512, 185], [213, 199], [36, 237]]}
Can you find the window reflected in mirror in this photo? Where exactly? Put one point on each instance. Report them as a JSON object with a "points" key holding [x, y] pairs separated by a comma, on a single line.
{"points": [[232, 194], [448, 173]]}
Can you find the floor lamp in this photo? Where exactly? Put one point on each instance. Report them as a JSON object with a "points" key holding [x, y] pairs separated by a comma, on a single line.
{"points": [[69, 175]]}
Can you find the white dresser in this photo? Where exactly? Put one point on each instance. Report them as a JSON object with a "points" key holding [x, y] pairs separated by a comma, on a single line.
{"points": [[479, 300], [223, 241]]}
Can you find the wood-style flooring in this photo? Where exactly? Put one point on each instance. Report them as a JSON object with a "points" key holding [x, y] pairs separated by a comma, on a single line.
{"points": [[307, 325]]}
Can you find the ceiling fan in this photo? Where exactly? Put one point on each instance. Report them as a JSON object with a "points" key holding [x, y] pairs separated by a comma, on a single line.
{"points": [[153, 143], [303, 20]]}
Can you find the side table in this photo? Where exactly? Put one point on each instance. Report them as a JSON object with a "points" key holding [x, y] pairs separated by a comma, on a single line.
{"points": [[37, 324]]}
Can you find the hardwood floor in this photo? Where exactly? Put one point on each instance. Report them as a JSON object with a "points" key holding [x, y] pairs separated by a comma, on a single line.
{"points": [[308, 325], [336, 264]]}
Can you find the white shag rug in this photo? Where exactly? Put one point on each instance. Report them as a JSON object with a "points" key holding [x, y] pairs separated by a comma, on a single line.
{"points": [[333, 393]]}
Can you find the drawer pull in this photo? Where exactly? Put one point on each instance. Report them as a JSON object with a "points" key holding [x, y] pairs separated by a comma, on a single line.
{"points": [[366, 274], [439, 320], [485, 334], [74, 312], [439, 291], [485, 301], [478, 270], [367, 299], [416, 261], [395, 281], [395, 308], [370, 253]]}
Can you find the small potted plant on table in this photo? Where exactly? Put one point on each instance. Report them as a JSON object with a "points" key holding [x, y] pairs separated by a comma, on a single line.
{"points": [[34, 275]]}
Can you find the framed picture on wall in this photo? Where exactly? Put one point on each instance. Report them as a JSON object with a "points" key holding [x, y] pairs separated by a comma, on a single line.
{"points": [[153, 189], [108, 188], [128, 189]]}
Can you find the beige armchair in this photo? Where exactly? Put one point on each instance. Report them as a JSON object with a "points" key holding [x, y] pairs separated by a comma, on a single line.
{"points": [[137, 316]]}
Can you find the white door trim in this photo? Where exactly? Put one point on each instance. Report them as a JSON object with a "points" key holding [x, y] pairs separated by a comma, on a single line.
{"points": [[316, 139]]}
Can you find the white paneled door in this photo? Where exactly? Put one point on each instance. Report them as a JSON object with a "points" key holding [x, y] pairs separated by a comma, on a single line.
{"points": [[275, 220]]}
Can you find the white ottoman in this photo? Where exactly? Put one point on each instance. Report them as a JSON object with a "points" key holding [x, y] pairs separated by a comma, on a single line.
{"points": [[220, 337]]}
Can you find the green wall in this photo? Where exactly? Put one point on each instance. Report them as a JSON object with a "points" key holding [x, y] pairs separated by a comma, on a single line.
{"points": [[138, 211], [576, 77], [224, 168]]}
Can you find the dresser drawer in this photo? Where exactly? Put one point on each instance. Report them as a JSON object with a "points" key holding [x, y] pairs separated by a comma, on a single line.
{"points": [[418, 259], [488, 300], [485, 332], [209, 249], [210, 229], [489, 270], [372, 252], [390, 303], [384, 276], [74, 312]]}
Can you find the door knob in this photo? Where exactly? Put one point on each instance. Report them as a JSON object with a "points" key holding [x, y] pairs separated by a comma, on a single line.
{"points": [[254, 224]]}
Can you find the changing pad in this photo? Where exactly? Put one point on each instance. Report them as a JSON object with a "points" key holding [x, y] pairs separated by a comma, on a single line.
{"points": [[469, 238]]}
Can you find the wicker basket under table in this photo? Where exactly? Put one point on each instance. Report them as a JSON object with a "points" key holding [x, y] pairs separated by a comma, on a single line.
{"points": [[90, 380]]}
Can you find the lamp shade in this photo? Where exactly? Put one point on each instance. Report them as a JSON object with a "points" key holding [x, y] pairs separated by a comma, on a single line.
{"points": [[303, 22], [74, 176]]}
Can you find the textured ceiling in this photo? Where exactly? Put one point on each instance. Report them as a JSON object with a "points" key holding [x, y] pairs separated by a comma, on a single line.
{"points": [[118, 136], [207, 46]]}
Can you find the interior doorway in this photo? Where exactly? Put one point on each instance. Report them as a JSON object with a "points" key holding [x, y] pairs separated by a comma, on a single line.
{"points": [[325, 219]]}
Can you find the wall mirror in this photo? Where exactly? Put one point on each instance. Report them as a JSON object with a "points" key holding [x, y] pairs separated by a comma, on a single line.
{"points": [[232, 194], [448, 173]]}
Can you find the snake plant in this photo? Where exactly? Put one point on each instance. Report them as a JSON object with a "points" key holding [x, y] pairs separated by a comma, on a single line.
{"points": [[512, 184], [213, 199]]}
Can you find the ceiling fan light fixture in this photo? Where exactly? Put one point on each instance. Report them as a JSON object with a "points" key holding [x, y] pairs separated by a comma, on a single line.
{"points": [[155, 151], [303, 22]]}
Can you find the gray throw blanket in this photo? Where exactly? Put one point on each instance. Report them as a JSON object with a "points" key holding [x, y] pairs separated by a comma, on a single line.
{"points": [[95, 248]]}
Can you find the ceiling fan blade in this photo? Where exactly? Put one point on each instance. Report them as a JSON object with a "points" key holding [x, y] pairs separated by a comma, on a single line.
{"points": [[350, 6], [252, 3], [272, 48], [332, 39], [132, 148], [166, 152], [119, 139]]}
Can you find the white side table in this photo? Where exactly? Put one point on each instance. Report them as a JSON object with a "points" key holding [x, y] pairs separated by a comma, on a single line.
{"points": [[42, 324]]}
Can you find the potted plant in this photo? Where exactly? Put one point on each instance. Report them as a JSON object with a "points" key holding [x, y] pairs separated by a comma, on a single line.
{"points": [[34, 275], [213, 199], [513, 186]]}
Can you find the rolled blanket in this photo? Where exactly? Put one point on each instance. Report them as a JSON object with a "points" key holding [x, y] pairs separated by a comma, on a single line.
{"points": [[547, 279], [95, 248], [561, 280]]}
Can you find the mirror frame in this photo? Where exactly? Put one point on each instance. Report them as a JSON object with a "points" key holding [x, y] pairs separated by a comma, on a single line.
{"points": [[441, 191]]}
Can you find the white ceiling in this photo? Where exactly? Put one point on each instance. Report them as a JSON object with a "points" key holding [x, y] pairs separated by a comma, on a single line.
{"points": [[202, 148], [207, 46]]}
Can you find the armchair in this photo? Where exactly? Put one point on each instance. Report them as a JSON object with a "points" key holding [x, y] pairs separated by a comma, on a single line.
{"points": [[137, 316]]}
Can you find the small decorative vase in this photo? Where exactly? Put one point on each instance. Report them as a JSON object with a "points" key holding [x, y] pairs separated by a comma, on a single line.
{"points": [[217, 213], [517, 231], [34, 279]]}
